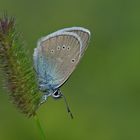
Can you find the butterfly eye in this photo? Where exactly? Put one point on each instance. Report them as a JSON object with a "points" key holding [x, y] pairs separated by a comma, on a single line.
{"points": [[73, 60], [57, 94]]}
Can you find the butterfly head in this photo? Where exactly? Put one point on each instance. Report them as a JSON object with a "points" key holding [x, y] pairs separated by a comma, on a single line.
{"points": [[56, 94]]}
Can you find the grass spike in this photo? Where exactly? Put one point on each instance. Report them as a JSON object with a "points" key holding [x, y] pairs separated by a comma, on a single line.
{"points": [[17, 68]]}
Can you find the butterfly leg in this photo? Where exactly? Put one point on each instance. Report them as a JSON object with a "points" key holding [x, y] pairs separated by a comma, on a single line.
{"points": [[43, 99]]}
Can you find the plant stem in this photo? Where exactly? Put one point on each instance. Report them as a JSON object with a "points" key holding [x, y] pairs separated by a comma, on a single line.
{"points": [[40, 128]]}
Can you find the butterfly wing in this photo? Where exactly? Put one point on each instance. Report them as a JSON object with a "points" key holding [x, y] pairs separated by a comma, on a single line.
{"points": [[83, 33], [56, 57]]}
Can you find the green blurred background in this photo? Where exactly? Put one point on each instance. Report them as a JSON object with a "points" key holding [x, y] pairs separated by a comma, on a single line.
{"points": [[104, 91]]}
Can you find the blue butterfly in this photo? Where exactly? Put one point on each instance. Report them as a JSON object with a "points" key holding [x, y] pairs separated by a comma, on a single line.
{"points": [[56, 57]]}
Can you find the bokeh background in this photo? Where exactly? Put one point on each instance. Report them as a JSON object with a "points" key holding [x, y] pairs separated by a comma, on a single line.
{"points": [[104, 90]]}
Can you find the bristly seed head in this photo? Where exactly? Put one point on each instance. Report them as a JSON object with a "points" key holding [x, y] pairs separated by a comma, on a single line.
{"points": [[16, 66]]}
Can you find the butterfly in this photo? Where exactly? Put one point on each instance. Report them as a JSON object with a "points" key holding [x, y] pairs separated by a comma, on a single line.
{"points": [[55, 58]]}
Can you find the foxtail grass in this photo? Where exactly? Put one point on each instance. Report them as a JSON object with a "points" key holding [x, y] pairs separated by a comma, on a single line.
{"points": [[17, 67]]}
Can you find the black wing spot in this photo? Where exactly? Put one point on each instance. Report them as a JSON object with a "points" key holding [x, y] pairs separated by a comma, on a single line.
{"points": [[73, 60], [52, 51], [68, 48], [58, 47], [63, 47]]}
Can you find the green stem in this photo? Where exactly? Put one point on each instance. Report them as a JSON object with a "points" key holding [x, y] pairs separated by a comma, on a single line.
{"points": [[40, 128]]}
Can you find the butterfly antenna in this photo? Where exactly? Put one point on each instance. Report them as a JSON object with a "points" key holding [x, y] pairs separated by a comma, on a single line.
{"points": [[67, 106]]}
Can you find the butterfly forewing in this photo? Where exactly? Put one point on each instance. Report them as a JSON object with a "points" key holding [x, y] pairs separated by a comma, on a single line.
{"points": [[56, 57]]}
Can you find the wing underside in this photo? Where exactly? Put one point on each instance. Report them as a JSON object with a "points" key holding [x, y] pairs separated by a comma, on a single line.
{"points": [[56, 57]]}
